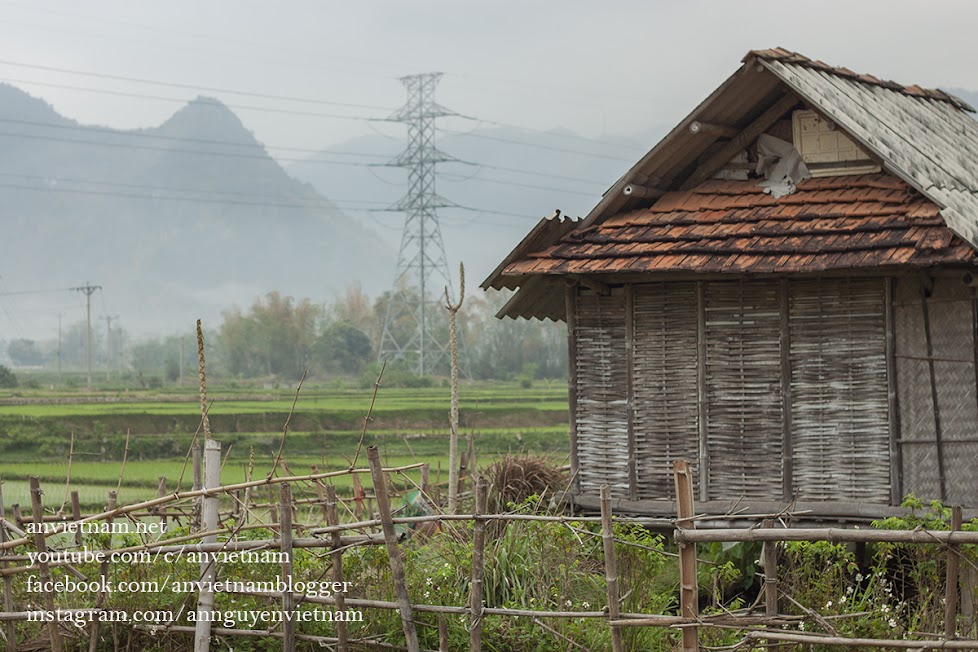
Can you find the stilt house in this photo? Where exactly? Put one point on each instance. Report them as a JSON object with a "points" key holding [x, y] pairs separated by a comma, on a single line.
{"points": [[781, 291]]}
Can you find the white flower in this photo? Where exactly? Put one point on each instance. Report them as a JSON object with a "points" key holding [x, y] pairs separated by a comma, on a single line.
{"points": [[801, 626], [828, 604], [885, 609], [859, 577], [568, 603], [586, 604], [842, 600], [892, 622]]}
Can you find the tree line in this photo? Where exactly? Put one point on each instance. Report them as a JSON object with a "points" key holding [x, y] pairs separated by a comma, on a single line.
{"points": [[281, 337]]}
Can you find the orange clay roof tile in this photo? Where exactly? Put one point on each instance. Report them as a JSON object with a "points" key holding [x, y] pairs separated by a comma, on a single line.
{"points": [[858, 221]]}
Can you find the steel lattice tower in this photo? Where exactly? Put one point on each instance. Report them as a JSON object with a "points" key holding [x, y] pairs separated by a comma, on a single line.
{"points": [[422, 269]]}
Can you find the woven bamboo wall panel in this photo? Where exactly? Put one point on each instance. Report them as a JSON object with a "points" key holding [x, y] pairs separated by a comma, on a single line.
{"points": [[839, 420], [602, 392], [743, 386], [664, 384], [950, 316]]}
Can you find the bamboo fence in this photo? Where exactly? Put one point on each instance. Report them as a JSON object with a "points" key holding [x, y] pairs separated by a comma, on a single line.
{"points": [[337, 537]]}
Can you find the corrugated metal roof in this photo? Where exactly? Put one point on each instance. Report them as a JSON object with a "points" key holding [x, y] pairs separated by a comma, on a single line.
{"points": [[922, 136]]}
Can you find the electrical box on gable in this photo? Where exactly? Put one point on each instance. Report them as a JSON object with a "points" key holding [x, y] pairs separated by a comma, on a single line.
{"points": [[826, 150]]}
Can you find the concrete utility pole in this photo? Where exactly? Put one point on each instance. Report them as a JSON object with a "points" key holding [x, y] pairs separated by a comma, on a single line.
{"points": [[108, 343], [88, 289]]}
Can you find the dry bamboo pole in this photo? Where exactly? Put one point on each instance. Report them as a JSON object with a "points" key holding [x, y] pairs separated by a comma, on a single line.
{"points": [[426, 481], [8, 589], [160, 492], [688, 588], [336, 556], [478, 568], [610, 567], [288, 605], [357, 498], [18, 518], [198, 484], [44, 572], [881, 643], [76, 515], [103, 571], [769, 555], [834, 535], [208, 566], [951, 585], [442, 633], [453, 309], [397, 565]]}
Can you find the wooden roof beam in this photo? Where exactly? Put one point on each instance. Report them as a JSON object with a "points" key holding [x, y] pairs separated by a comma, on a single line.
{"points": [[710, 129], [590, 283], [711, 165]]}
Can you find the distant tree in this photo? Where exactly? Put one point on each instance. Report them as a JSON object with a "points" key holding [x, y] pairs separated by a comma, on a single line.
{"points": [[275, 337], [25, 353], [343, 348], [7, 378]]}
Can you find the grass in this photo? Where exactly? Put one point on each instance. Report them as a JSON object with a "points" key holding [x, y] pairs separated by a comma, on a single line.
{"points": [[409, 425]]}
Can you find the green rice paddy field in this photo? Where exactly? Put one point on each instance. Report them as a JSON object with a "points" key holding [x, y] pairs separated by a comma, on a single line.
{"points": [[408, 425]]}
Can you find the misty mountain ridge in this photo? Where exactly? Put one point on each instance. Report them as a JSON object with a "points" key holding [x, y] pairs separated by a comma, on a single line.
{"points": [[175, 222]]}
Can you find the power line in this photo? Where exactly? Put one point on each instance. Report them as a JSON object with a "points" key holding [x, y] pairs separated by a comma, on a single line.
{"points": [[313, 204], [198, 152], [194, 87], [537, 145], [183, 100], [200, 141]]}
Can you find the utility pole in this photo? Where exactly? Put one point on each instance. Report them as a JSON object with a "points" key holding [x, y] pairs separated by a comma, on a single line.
{"points": [[88, 289], [59, 348], [108, 343], [422, 267]]}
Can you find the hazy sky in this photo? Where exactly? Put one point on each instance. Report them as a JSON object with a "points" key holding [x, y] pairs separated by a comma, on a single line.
{"points": [[588, 66], [311, 73]]}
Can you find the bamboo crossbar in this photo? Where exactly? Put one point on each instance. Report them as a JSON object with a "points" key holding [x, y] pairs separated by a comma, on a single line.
{"points": [[833, 535], [177, 496], [882, 643]]}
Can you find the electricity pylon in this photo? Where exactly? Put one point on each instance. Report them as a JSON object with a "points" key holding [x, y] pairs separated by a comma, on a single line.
{"points": [[422, 268]]}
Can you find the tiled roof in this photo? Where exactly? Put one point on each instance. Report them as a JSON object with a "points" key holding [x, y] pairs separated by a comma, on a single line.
{"points": [[830, 223]]}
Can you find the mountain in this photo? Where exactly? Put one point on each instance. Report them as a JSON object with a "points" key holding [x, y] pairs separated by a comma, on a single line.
{"points": [[175, 222], [519, 176]]}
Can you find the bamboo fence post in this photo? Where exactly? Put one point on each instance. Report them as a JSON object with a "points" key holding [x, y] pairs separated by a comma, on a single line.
{"points": [[390, 537], [160, 492], [288, 604], [198, 475], [610, 567], [951, 587], [18, 517], [43, 572], [336, 556], [426, 481], [8, 581], [357, 497], [688, 588], [442, 633], [478, 567], [76, 516], [103, 572], [208, 568], [769, 556]]}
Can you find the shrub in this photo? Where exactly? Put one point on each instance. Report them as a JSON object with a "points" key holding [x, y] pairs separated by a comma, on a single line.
{"points": [[7, 378]]}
